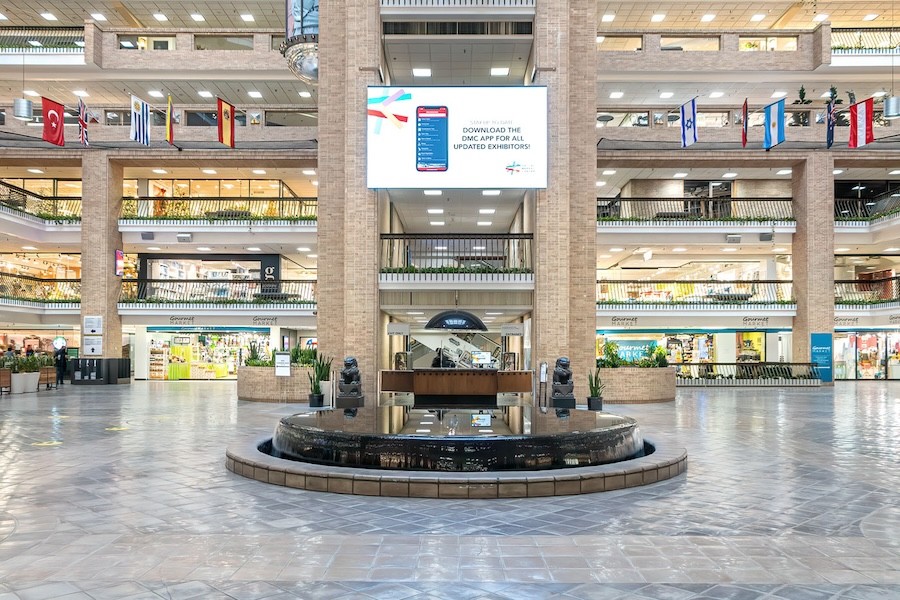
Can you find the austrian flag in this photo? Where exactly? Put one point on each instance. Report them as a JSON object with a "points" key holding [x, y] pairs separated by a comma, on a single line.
{"points": [[861, 123]]}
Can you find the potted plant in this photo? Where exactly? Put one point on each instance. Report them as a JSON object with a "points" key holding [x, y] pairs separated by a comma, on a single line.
{"points": [[25, 374], [595, 387], [321, 371]]}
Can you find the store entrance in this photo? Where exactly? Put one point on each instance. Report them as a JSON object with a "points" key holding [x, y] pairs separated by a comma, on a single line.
{"points": [[205, 354]]}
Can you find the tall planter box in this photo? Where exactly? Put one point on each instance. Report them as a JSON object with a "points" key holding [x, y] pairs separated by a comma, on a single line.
{"points": [[24, 382], [635, 385], [259, 384]]}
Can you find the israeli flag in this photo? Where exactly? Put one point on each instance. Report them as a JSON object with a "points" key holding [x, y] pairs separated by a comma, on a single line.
{"points": [[774, 124], [689, 123]]}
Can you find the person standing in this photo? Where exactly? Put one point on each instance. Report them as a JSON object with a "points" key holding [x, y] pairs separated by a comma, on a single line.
{"points": [[61, 361]]}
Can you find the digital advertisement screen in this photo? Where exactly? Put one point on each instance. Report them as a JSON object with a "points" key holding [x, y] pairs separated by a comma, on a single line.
{"points": [[481, 420], [456, 137], [120, 263]]}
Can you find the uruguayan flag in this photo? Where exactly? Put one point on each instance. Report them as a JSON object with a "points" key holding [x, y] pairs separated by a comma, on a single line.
{"points": [[688, 123], [140, 121], [774, 124]]}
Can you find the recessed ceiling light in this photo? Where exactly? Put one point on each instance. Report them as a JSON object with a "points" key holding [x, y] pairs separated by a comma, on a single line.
{"points": [[126, 44], [608, 18], [616, 95], [757, 18], [880, 94], [820, 17], [209, 171], [435, 211], [49, 16], [707, 18], [784, 172], [203, 248], [606, 256], [728, 175], [729, 249], [437, 223], [600, 183], [304, 94], [870, 17], [891, 249], [308, 171], [28, 248], [679, 249], [204, 94], [259, 171], [34, 43], [680, 175], [609, 171], [160, 171], [600, 39], [479, 247], [160, 17], [253, 249], [440, 247], [312, 256], [499, 71], [80, 93], [716, 94], [198, 17], [837, 171], [247, 18], [486, 211], [665, 95], [98, 16], [152, 247], [421, 72], [254, 94], [658, 18], [895, 172], [315, 183], [432, 192], [3, 17], [30, 93], [779, 249], [304, 249], [484, 223], [616, 249], [155, 93], [414, 312], [842, 249], [35, 171], [490, 192], [779, 94]]}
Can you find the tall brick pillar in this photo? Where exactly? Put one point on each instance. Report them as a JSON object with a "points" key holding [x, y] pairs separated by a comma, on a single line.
{"points": [[813, 251], [100, 238], [565, 228], [347, 322]]}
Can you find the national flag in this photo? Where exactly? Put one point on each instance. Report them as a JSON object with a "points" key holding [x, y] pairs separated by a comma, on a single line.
{"points": [[82, 123], [774, 124], [830, 122], [861, 132], [54, 115], [745, 118], [170, 122], [226, 123], [140, 121], [689, 123]]}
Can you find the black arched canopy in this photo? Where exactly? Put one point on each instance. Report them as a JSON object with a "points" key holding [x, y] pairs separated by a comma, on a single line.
{"points": [[456, 319]]}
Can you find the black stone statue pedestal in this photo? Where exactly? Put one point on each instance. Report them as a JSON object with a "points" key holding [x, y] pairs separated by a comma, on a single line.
{"points": [[562, 390], [350, 386]]}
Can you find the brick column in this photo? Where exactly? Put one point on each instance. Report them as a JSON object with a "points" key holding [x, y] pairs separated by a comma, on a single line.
{"points": [[565, 313], [348, 240], [100, 238], [813, 250]]}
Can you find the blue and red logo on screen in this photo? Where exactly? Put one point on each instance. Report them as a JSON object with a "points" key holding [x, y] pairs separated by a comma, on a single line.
{"points": [[432, 143]]}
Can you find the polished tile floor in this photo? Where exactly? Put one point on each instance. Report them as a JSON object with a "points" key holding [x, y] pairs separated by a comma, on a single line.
{"points": [[121, 492]]}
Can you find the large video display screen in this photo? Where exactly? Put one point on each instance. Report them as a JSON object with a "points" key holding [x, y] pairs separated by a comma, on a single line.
{"points": [[456, 137]]}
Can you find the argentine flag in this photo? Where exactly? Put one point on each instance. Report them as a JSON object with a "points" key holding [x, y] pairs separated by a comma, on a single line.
{"points": [[689, 123], [774, 124]]}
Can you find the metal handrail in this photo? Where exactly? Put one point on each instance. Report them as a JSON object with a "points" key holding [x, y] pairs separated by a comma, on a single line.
{"points": [[49, 208], [694, 292], [221, 208], [866, 209], [35, 289], [456, 253], [775, 372], [867, 291], [216, 291], [695, 209]]}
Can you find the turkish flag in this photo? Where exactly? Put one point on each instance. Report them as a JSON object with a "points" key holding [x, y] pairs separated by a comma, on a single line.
{"points": [[54, 119]]}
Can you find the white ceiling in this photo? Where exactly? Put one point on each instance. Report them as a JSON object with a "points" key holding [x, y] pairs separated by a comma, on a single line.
{"points": [[460, 210]]}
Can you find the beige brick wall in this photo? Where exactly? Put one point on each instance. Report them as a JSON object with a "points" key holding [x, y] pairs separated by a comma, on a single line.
{"points": [[633, 385], [259, 384]]}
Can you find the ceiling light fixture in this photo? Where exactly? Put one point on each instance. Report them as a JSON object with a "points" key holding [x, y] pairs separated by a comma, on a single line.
{"points": [[892, 102], [23, 108], [600, 39], [820, 17], [658, 18], [204, 94], [609, 171], [49, 16], [160, 17], [247, 18], [35, 171], [757, 18], [484, 223], [486, 211], [432, 192], [490, 192], [608, 18], [707, 18], [209, 171], [435, 211], [499, 71], [308, 171], [666, 95], [304, 94], [716, 94], [254, 94], [436, 223], [421, 72], [680, 175], [616, 95], [198, 17], [155, 93]]}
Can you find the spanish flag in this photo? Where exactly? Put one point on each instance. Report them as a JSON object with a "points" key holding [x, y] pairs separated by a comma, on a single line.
{"points": [[170, 122], [226, 123]]}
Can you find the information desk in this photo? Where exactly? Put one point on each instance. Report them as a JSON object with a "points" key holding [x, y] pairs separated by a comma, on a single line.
{"points": [[457, 387]]}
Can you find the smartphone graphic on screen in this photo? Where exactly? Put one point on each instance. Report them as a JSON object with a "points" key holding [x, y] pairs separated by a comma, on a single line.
{"points": [[432, 144]]}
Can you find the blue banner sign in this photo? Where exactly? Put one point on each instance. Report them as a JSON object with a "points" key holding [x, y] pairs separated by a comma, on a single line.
{"points": [[821, 353]]}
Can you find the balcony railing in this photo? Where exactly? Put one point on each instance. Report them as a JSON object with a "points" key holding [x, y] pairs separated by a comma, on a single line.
{"points": [[464, 254], [206, 291], [697, 293], [874, 291], [867, 209], [220, 209], [764, 374], [695, 209], [23, 288], [60, 209]]}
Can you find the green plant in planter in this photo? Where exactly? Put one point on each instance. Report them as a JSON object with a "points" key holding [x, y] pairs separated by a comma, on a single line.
{"points": [[595, 386], [28, 364], [253, 354], [610, 358], [321, 371]]}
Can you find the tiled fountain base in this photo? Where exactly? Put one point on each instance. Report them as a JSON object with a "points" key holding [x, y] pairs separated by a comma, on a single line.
{"points": [[247, 460]]}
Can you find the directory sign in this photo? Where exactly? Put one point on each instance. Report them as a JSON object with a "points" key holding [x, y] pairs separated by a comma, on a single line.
{"points": [[821, 352], [456, 137]]}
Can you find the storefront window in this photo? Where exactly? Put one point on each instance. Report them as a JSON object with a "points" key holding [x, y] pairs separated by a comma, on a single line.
{"points": [[176, 355]]}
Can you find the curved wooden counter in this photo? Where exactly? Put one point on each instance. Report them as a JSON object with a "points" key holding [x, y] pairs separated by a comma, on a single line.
{"points": [[457, 387]]}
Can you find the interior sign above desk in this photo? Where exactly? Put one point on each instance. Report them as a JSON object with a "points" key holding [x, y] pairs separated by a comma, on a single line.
{"points": [[703, 322], [456, 137]]}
